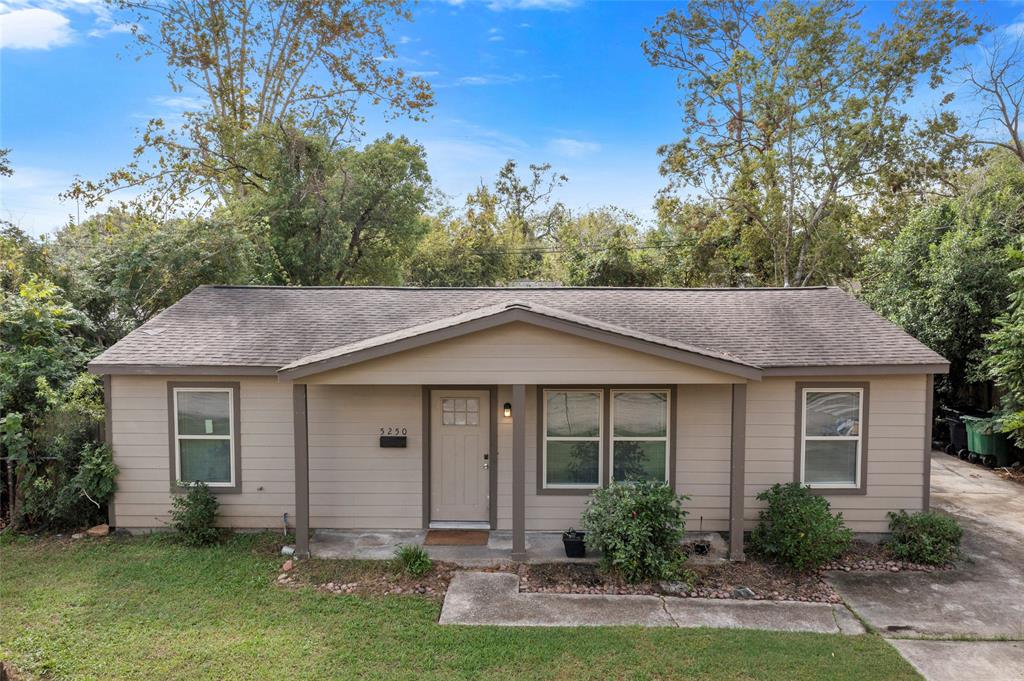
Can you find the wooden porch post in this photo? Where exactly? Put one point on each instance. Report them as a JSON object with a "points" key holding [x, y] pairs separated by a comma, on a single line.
{"points": [[737, 468], [518, 472], [301, 427]]}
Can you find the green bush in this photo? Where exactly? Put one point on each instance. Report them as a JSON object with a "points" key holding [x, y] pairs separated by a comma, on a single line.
{"points": [[193, 515], [638, 526], [413, 559], [798, 528], [927, 538]]}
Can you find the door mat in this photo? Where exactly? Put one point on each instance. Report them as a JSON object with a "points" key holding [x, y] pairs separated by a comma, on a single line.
{"points": [[456, 538]]}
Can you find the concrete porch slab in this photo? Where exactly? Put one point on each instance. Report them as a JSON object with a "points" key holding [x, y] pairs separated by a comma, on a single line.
{"points": [[481, 598], [541, 547]]}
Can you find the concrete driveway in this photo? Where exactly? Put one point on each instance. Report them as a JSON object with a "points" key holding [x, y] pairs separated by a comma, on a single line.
{"points": [[982, 599]]}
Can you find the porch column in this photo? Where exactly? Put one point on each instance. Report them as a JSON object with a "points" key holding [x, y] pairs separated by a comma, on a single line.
{"points": [[301, 427], [518, 472], [737, 476]]}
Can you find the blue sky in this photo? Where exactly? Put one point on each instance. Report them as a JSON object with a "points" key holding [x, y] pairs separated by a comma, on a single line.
{"points": [[562, 81]]}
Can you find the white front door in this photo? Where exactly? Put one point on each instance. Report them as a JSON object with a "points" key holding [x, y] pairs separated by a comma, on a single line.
{"points": [[459, 455]]}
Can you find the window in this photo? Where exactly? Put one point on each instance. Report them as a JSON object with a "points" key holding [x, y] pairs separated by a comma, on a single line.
{"points": [[460, 411], [204, 435], [572, 438], [831, 437], [640, 435]]}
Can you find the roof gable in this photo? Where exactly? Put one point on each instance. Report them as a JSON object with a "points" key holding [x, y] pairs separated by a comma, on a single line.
{"points": [[506, 313]]}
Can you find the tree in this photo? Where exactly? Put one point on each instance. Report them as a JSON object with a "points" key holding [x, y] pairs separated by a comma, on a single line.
{"points": [[122, 267], [257, 63], [604, 248], [794, 115], [946, 276], [1005, 347], [338, 215], [462, 252]]}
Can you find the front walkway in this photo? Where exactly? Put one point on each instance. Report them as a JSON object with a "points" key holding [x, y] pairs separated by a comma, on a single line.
{"points": [[982, 599], [493, 598]]}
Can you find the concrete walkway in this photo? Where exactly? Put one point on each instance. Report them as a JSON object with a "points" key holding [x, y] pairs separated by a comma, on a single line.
{"points": [[494, 599], [982, 599]]}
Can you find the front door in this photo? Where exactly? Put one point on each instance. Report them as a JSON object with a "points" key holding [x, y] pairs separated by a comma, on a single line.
{"points": [[459, 455]]}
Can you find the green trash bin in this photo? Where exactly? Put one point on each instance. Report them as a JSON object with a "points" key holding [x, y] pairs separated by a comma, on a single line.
{"points": [[993, 448]]}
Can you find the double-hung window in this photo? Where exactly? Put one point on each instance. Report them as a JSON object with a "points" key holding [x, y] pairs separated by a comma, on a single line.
{"points": [[831, 444], [640, 426], [204, 435], [572, 433]]}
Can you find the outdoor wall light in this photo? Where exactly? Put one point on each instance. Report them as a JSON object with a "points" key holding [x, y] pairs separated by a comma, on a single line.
{"points": [[508, 409]]}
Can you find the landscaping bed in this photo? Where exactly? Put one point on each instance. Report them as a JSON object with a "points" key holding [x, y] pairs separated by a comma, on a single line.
{"points": [[867, 557]]}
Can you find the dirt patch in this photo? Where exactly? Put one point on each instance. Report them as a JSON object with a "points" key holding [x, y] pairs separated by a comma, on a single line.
{"points": [[1013, 474], [367, 578], [753, 580], [868, 557]]}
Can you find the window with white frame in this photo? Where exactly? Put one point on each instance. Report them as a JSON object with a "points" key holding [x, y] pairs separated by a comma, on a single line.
{"points": [[572, 438], [204, 435], [832, 446], [640, 434]]}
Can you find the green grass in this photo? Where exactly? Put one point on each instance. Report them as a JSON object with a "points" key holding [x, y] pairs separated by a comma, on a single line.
{"points": [[151, 608]]}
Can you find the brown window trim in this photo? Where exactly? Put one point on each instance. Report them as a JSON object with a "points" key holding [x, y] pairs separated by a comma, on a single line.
{"points": [[605, 435], [236, 416], [798, 434]]}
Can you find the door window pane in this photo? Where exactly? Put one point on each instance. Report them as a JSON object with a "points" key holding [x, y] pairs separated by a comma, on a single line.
{"points": [[830, 462], [460, 411], [573, 463], [573, 414], [640, 414], [644, 460]]}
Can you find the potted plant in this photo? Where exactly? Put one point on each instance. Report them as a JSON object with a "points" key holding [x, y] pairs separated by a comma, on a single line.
{"points": [[573, 541]]}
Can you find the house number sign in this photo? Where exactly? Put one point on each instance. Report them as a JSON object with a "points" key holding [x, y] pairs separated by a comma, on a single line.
{"points": [[394, 430], [393, 437]]}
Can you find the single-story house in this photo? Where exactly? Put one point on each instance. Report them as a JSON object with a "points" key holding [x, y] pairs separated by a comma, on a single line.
{"points": [[503, 408]]}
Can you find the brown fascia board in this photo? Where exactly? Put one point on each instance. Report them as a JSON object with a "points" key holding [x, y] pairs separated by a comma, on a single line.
{"points": [[857, 370], [181, 370], [518, 314]]}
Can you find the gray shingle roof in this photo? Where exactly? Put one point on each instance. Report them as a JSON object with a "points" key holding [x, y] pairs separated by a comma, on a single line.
{"points": [[270, 327]]}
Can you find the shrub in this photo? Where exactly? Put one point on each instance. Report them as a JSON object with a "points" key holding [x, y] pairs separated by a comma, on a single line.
{"points": [[638, 526], [798, 528], [413, 559], [928, 538], [193, 515]]}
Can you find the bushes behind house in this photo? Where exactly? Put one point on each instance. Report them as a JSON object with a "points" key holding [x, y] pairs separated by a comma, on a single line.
{"points": [[638, 526], [193, 515], [798, 528], [928, 538]]}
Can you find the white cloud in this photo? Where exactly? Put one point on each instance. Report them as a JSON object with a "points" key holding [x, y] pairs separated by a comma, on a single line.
{"points": [[34, 29], [490, 79], [496, 39], [1016, 28], [405, 40], [104, 29], [423, 74], [565, 146]]}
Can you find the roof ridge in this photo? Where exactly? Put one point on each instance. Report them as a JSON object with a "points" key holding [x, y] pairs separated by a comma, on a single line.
{"points": [[521, 289]]}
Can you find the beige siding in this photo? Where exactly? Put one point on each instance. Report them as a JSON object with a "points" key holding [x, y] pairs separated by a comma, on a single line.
{"points": [[354, 483], [519, 353], [141, 452], [896, 419], [703, 451]]}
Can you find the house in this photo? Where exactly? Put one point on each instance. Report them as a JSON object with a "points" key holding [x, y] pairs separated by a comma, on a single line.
{"points": [[504, 408]]}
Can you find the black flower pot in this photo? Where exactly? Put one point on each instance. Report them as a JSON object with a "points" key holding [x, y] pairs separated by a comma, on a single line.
{"points": [[574, 545]]}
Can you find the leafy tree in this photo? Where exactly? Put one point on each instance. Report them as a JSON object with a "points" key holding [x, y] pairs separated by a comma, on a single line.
{"points": [[462, 252], [338, 215], [1005, 348], [257, 63], [794, 115], [123, 267], [946, 276], [604, 248]]}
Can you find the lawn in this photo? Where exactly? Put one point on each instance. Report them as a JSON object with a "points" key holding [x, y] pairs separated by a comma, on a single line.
{"points": [[150, 608]]}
